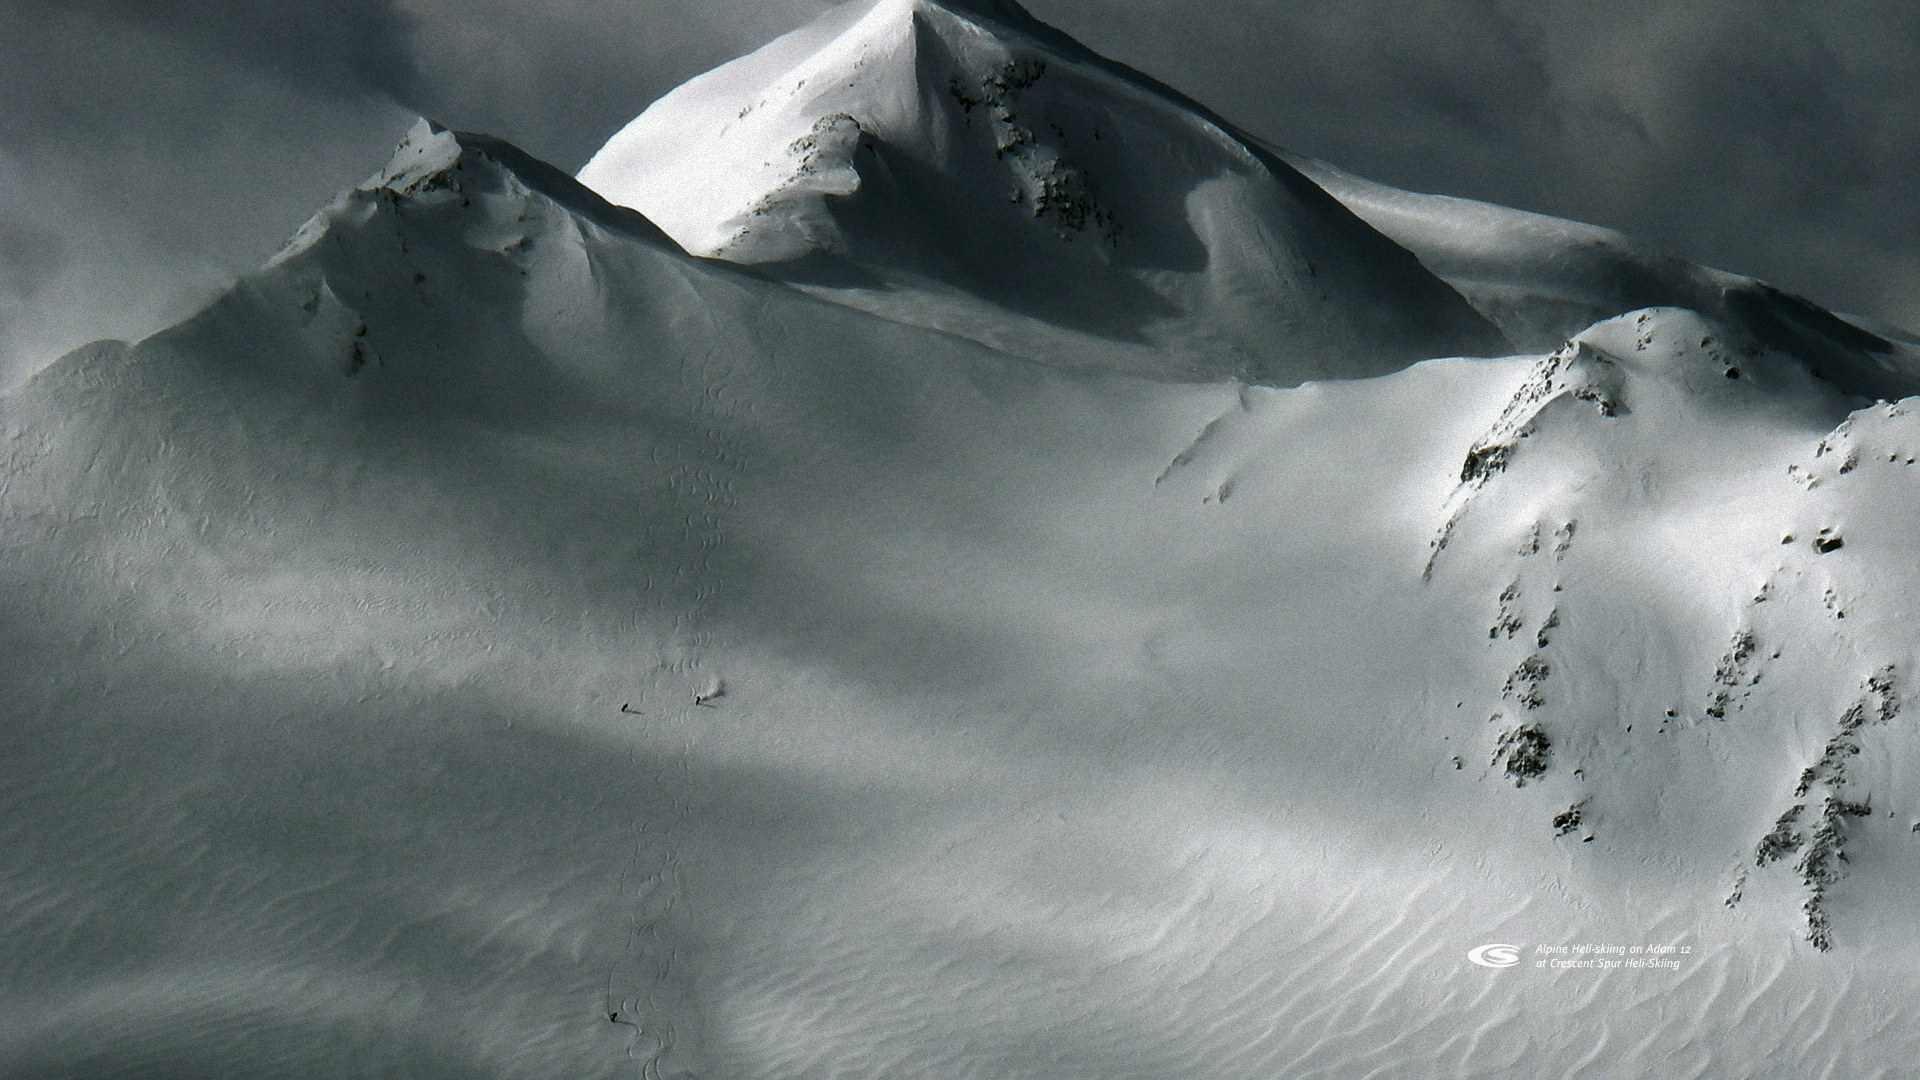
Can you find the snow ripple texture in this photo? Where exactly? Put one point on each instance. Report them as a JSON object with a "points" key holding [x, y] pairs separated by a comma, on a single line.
{"points": [[491, 641]]}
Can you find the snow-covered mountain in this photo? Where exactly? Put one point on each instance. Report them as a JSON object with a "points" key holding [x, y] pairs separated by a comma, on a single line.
{"points": [[965, 167], [1543, 279], [491, 640]]}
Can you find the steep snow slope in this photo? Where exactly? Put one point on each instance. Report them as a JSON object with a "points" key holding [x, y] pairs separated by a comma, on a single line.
{"points": [[1659, 476], [966, 167], [493, 642], [1543, 279]]}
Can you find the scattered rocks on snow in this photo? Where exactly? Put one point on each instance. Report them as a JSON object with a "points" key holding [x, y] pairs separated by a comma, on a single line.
{"points": [[1544, 637], [1526, 751], [1525, 682], [1823, 848], [1732, 671], [1569, 819]]}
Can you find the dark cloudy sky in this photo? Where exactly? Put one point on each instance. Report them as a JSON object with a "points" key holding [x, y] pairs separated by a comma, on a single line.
{"points": [[151, 149]]}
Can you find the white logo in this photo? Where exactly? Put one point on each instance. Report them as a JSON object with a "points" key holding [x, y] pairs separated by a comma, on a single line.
{"points": [[1494, 956]]}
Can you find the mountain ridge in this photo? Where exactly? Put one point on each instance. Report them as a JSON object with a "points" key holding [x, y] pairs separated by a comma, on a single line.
{"points": [[1544, 279], [491, 640], [959, 178]]}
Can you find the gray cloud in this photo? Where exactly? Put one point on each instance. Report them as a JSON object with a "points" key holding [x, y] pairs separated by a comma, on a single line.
{"points": [[30, 256], [160, 163], [1767, 137], [162, 148], [342, 46], [558, 77]]}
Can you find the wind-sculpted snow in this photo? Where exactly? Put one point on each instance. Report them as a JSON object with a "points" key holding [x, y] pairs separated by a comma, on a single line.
{"points": [[491, 641], [1544, 279], [972, 170]]}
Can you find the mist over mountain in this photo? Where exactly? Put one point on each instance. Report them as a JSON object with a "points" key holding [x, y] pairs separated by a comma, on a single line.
{"points": [[938, 555]]}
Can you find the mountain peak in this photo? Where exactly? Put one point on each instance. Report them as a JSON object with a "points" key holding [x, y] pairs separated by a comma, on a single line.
{"points": [[755, 147], [427, 150], [915, 151], [424, 166]]}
